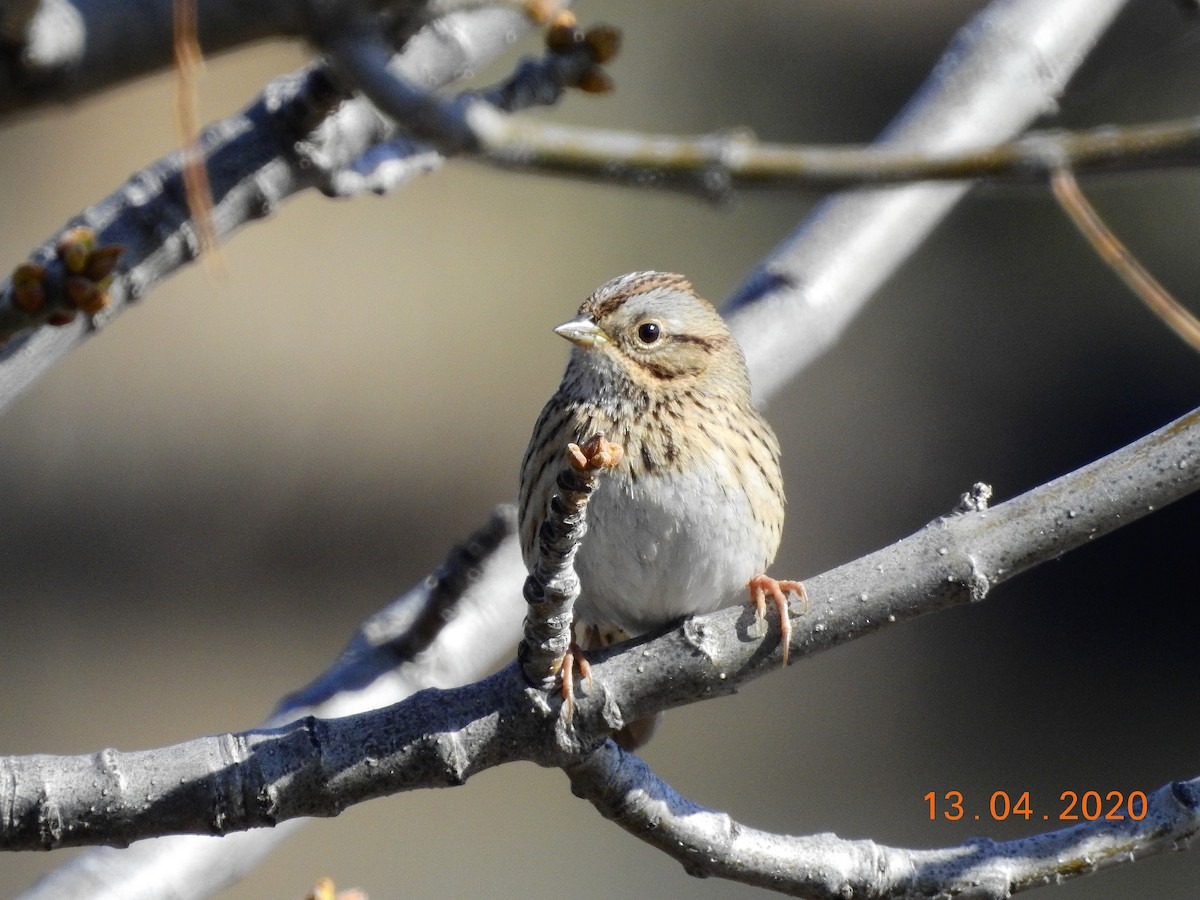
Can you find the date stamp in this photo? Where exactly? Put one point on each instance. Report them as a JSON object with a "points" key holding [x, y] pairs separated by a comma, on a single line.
{"points": [[1072, 806]]}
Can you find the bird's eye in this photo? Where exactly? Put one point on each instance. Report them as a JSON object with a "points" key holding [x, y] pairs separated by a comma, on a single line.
{"points": [[649, 332]]}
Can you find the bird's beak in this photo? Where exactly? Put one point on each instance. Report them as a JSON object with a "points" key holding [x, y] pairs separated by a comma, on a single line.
{"points": [[582, 332]]}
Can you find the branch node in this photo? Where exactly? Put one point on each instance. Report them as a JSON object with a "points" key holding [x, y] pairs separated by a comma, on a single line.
{"points": [[611, 713], [974, 500], [977, 583], [53, 291], [700, 638]]}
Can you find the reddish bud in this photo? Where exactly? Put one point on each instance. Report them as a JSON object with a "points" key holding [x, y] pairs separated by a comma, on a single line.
{"points": [[28, 273], [595, 81], [603, 42], [563, 38], [28, 297], [85, 295], [102, 261], [76, 288]]}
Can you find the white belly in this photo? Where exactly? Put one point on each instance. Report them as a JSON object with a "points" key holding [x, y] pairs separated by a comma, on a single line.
{"points": [[665, 547]]}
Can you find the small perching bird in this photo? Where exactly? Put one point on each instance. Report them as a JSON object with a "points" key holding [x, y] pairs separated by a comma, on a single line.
{"points": [[693, 513]]}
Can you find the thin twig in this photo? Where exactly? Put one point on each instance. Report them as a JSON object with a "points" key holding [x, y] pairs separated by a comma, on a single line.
{"points": [[714, 164], [189, 64], [553, 585], [1118, 258]]}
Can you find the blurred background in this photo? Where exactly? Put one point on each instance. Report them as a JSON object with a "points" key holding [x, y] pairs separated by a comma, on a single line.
{"points": [[201, 504]]}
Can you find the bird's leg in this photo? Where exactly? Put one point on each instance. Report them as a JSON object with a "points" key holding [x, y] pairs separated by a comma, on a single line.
{"points": [[762, 585]]}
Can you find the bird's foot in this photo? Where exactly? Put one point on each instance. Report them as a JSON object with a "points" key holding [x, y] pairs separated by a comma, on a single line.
{"points": [[760, 587], [571, 659]]}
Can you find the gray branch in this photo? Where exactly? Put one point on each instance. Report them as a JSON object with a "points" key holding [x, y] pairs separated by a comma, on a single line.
{"points": [[61, 50], [440, 738], [553, 586], [826, 867], [465, 614], [303, 132], [1002, 71], [713, 165]]}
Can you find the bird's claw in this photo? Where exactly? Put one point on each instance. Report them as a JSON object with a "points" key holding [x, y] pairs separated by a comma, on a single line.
{"points": [[762, 585], [572, 658]]}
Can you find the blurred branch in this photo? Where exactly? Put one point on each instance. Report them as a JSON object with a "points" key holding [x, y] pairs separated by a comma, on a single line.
{"points": [[304, 132], [284, 144], [60, 51], [1110, 249], [55, 51], [440, 738], [412, 641], [826, 867], [359, 51], [1003, 70], [715, 164]]}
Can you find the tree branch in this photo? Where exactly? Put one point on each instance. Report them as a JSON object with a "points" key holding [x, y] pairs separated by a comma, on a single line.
{"points": [[360, 52], [302, 133], [1002, 71], [55, 51], [439, 738], [59, 51], [826, 867], [445, 631], [713, 165]]}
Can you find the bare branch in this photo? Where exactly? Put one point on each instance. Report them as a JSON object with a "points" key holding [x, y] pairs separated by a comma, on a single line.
{"points": [[441, 738], [553, 586], [713, 165], [60, 51], [468, 611], [826, 867], [302, 133], [360, 53], [1003, 70]]}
